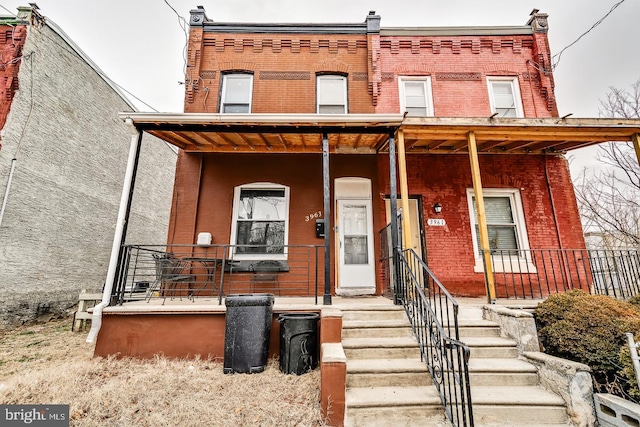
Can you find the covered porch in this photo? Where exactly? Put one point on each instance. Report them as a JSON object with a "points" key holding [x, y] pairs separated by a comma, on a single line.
{"points": [[393, 141], [390, 139]]}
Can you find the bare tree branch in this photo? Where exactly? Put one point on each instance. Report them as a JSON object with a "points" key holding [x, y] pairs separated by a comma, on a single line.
{"points": [[609, 200]]}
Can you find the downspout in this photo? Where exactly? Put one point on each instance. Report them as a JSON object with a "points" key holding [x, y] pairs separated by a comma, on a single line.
{"points": [[125, 201], [6, 191], [565, 269], [553, 205]]}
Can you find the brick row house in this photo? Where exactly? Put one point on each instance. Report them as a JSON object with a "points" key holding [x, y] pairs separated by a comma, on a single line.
{"points": [[297, 142]]}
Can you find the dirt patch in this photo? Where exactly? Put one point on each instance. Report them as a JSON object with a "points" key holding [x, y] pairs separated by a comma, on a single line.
{"points": [[49, 364]]}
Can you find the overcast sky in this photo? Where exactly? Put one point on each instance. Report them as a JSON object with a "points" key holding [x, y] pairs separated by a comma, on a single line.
{"points": [[139, 43]]}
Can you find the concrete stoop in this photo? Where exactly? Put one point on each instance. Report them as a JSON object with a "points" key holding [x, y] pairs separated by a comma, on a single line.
{"points": [[388, 384]]}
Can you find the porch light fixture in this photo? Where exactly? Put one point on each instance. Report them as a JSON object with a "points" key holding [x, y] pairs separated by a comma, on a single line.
{"points": [[437, 208]]}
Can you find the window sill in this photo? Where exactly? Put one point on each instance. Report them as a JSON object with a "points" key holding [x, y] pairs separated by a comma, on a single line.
{"points": [[516, 265], [252, 266]]}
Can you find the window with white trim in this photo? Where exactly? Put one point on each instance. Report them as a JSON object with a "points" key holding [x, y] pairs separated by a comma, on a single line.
{"points": [[505, 227], [260, 221], [236, 93], [504, 96], [415, 96], [331, 94]]}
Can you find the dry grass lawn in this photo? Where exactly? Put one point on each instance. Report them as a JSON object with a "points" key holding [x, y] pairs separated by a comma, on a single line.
{"points": [[49, 364]]}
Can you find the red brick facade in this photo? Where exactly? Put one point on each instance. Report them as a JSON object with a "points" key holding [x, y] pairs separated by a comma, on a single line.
{"points": [[284, 68], [11, 42]]}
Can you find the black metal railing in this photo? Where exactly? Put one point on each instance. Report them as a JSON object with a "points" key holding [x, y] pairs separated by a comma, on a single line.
{"points": [[433, 314], [187, 272], [538, 273], [387, 261]]}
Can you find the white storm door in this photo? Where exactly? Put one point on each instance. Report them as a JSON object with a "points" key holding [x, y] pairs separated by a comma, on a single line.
{"points": [[356, 266]]}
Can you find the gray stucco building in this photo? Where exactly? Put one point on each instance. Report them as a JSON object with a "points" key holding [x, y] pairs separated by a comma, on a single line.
{"points": [[63, 154]]}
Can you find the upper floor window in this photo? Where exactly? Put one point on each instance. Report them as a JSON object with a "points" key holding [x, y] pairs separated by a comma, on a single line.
{"points": [[260, 221], [504, 96], [415, 96], [236, 93], [331, 94]]}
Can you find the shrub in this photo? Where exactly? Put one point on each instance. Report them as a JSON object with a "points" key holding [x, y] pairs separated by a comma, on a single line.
{"points": [[635, 301], [591, 329]]}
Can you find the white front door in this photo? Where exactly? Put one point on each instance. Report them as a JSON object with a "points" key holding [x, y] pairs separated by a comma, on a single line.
{"points": [[356, 264]]}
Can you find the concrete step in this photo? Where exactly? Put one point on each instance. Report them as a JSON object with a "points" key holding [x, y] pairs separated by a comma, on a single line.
{"points": [[502, 372], [387, 373], [376, 328], [474, 313], [514, 405], [396, 406], [393, 312], [478, 328], [491, 347], [381, 348]]}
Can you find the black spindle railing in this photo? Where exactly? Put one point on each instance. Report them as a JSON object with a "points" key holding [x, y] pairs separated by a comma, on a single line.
{"points": [[433, 314], [188, 272], [538, 273]]}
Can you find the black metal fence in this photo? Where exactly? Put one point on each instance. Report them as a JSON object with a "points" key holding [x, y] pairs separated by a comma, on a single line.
{"points": [[538, 273], [187, 272], [434, 318]]}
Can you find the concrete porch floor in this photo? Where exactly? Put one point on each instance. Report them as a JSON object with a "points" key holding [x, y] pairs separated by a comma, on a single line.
{"points": [[211, 305]]}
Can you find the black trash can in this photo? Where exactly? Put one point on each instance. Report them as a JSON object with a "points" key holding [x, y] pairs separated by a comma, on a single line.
{"points": [[298, 342], [247, 328]]}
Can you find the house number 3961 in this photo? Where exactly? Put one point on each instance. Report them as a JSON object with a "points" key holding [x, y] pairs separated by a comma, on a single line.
{"points": [[313, 215]]}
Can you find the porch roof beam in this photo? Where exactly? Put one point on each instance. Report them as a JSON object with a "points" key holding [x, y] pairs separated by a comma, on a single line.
{"points": [[364, 133]]}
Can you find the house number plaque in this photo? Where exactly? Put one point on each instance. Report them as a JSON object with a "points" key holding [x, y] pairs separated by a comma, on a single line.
{"points": [[436, 222]]}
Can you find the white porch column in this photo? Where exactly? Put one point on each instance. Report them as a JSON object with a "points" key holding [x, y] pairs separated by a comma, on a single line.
{"points": [[119, 235]]}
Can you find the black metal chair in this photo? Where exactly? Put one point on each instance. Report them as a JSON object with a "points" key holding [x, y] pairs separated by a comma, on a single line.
{"points": [[170, 273], [265, 272]]}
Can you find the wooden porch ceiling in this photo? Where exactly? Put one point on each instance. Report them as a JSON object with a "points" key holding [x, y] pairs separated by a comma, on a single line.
{"points": [[369, 133]]}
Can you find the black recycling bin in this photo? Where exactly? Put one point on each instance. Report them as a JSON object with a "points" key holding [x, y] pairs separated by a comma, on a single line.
{"points": [[247, 328], [298, 342]]}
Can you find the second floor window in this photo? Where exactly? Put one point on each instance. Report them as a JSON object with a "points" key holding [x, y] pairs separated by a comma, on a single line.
{"points": [[236, 93], [331, 94], [504, 96], [415, 96]]}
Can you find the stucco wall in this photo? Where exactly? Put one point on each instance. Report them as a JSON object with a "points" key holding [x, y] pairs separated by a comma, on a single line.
{"points": [[71, 151]]}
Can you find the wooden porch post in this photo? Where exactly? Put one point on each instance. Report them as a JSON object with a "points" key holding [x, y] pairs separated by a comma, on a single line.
{"points": [[393, 204], [636, 144], [404, 192], [482, 219], [326, 299]]}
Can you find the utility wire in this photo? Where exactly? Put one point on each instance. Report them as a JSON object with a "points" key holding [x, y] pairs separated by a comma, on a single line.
{"points": [[11, 13], [97, 70], [192, 82], [184, 25], [555, 59]]}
